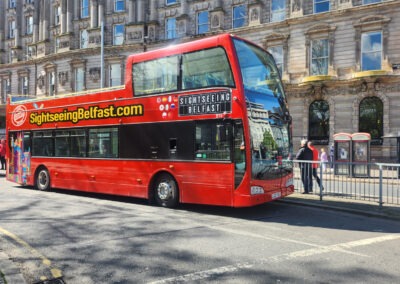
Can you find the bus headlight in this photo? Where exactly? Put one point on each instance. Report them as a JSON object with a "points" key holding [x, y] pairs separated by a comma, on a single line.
{"points": [[256, 190], [289, 182]]}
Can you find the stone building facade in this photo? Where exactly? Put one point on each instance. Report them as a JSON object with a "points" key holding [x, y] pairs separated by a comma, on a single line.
{"points": [[339, 59]]}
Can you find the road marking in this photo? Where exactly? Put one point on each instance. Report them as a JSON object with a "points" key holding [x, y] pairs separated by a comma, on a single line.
{"points": [[56, 273], [201, 275], [248, 234]]}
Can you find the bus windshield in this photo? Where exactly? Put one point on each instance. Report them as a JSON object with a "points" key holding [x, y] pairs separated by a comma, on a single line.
{"points": [[267, 112]]}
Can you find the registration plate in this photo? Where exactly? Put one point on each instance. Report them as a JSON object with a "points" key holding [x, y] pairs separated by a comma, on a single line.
{"points": [[276, 195]]}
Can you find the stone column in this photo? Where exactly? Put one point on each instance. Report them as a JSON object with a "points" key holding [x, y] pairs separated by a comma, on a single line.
{"points": [[2, 23], [101, 13], [76, 11], [36, 20], [131, 11], [140, 11], [70, 16], [45, 22], [217, 3], [93, 14], [153, 10], [18, 25], [63, 16], [2, 38], [184, 7]]}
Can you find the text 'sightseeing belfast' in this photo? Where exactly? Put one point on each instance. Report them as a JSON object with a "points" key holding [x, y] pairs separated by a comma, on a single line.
{"points": [[93, 112], [209, 103]]}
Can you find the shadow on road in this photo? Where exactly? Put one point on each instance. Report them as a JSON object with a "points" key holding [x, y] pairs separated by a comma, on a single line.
{"points": [[290, 213]]}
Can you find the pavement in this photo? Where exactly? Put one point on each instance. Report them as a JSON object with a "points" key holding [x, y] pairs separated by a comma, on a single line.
{"points": [[332, 202], [10, 273]]}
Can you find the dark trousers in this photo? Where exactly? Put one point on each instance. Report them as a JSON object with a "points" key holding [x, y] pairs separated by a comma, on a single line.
{"points": [[315, 175], [3, 163], [306, 177]]}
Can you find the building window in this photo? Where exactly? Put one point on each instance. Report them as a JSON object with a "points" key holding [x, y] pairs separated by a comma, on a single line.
{"points": [[51, 83], [29, 25], [84, 8], [119, 31], [277, 53], [202, 22], [11, 28], [321, 6], [23, 85], [119, 5], [319, 57], [114, 75], [371, 118], [11, 56], [57, 44], [30, 52], [29, 1], [318, 128], [84, 39], [79, 76], [371, 51], [169, 2], [278, 10], [239, 16], [12, 4], [6, 89], [171, 28], [366, 2], [57, 15]]}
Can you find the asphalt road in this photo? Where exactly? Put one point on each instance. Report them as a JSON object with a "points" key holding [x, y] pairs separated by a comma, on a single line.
{"points": [[87, 238]]}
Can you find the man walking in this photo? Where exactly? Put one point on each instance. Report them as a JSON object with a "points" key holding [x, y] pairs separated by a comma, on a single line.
{"points": [[314, 165], [305, 154]]}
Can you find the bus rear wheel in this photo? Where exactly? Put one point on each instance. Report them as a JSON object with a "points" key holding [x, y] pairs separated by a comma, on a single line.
{"points": [[43, 179], [166, 191]]}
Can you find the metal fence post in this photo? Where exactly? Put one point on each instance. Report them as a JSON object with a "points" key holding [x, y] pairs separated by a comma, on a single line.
{"points": [[322, 181], [380, 186]]}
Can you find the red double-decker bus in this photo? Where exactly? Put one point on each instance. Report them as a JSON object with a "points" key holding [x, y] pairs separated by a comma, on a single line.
{"points": [[200, 122]]}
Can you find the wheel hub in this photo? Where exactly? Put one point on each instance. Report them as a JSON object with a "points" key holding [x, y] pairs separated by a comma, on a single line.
{"points": [[43, 179], [164, 191]]}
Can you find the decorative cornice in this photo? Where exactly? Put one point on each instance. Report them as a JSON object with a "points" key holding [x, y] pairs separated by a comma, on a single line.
{"points": [[370, 73]]}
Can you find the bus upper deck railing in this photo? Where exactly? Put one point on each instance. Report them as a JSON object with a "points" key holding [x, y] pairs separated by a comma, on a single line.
{"points": [[15, 99], [373, 182]]}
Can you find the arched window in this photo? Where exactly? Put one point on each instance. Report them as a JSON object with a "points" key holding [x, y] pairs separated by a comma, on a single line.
{"points": [[371, 119], [318, 117]]}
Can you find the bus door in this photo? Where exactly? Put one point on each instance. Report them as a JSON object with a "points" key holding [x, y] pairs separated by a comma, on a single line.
{"points": [[19, 157]]}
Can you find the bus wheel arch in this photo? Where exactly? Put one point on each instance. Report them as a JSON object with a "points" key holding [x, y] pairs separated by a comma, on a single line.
{"points": [[164, 190], [42, 178]]}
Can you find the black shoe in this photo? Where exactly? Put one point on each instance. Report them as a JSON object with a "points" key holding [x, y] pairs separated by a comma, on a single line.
{"points": [[310, 191], [305, 192]]}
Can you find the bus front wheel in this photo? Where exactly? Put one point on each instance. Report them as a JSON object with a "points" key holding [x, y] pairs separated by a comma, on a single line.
{"points": [[43, 179], [166, 191]]}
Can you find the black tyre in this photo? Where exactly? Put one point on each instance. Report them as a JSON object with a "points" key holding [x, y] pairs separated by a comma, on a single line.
{"points": [[43, 179], [166, 193]]}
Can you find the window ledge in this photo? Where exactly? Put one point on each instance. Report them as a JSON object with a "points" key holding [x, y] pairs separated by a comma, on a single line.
{"points": [[317, 78], [369, 73]]}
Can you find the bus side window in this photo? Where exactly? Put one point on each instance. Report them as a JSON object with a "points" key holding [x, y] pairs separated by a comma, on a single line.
{"points": [[103, 142], [43, 143], [212, 141], [78, 143], [172, 148]]}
